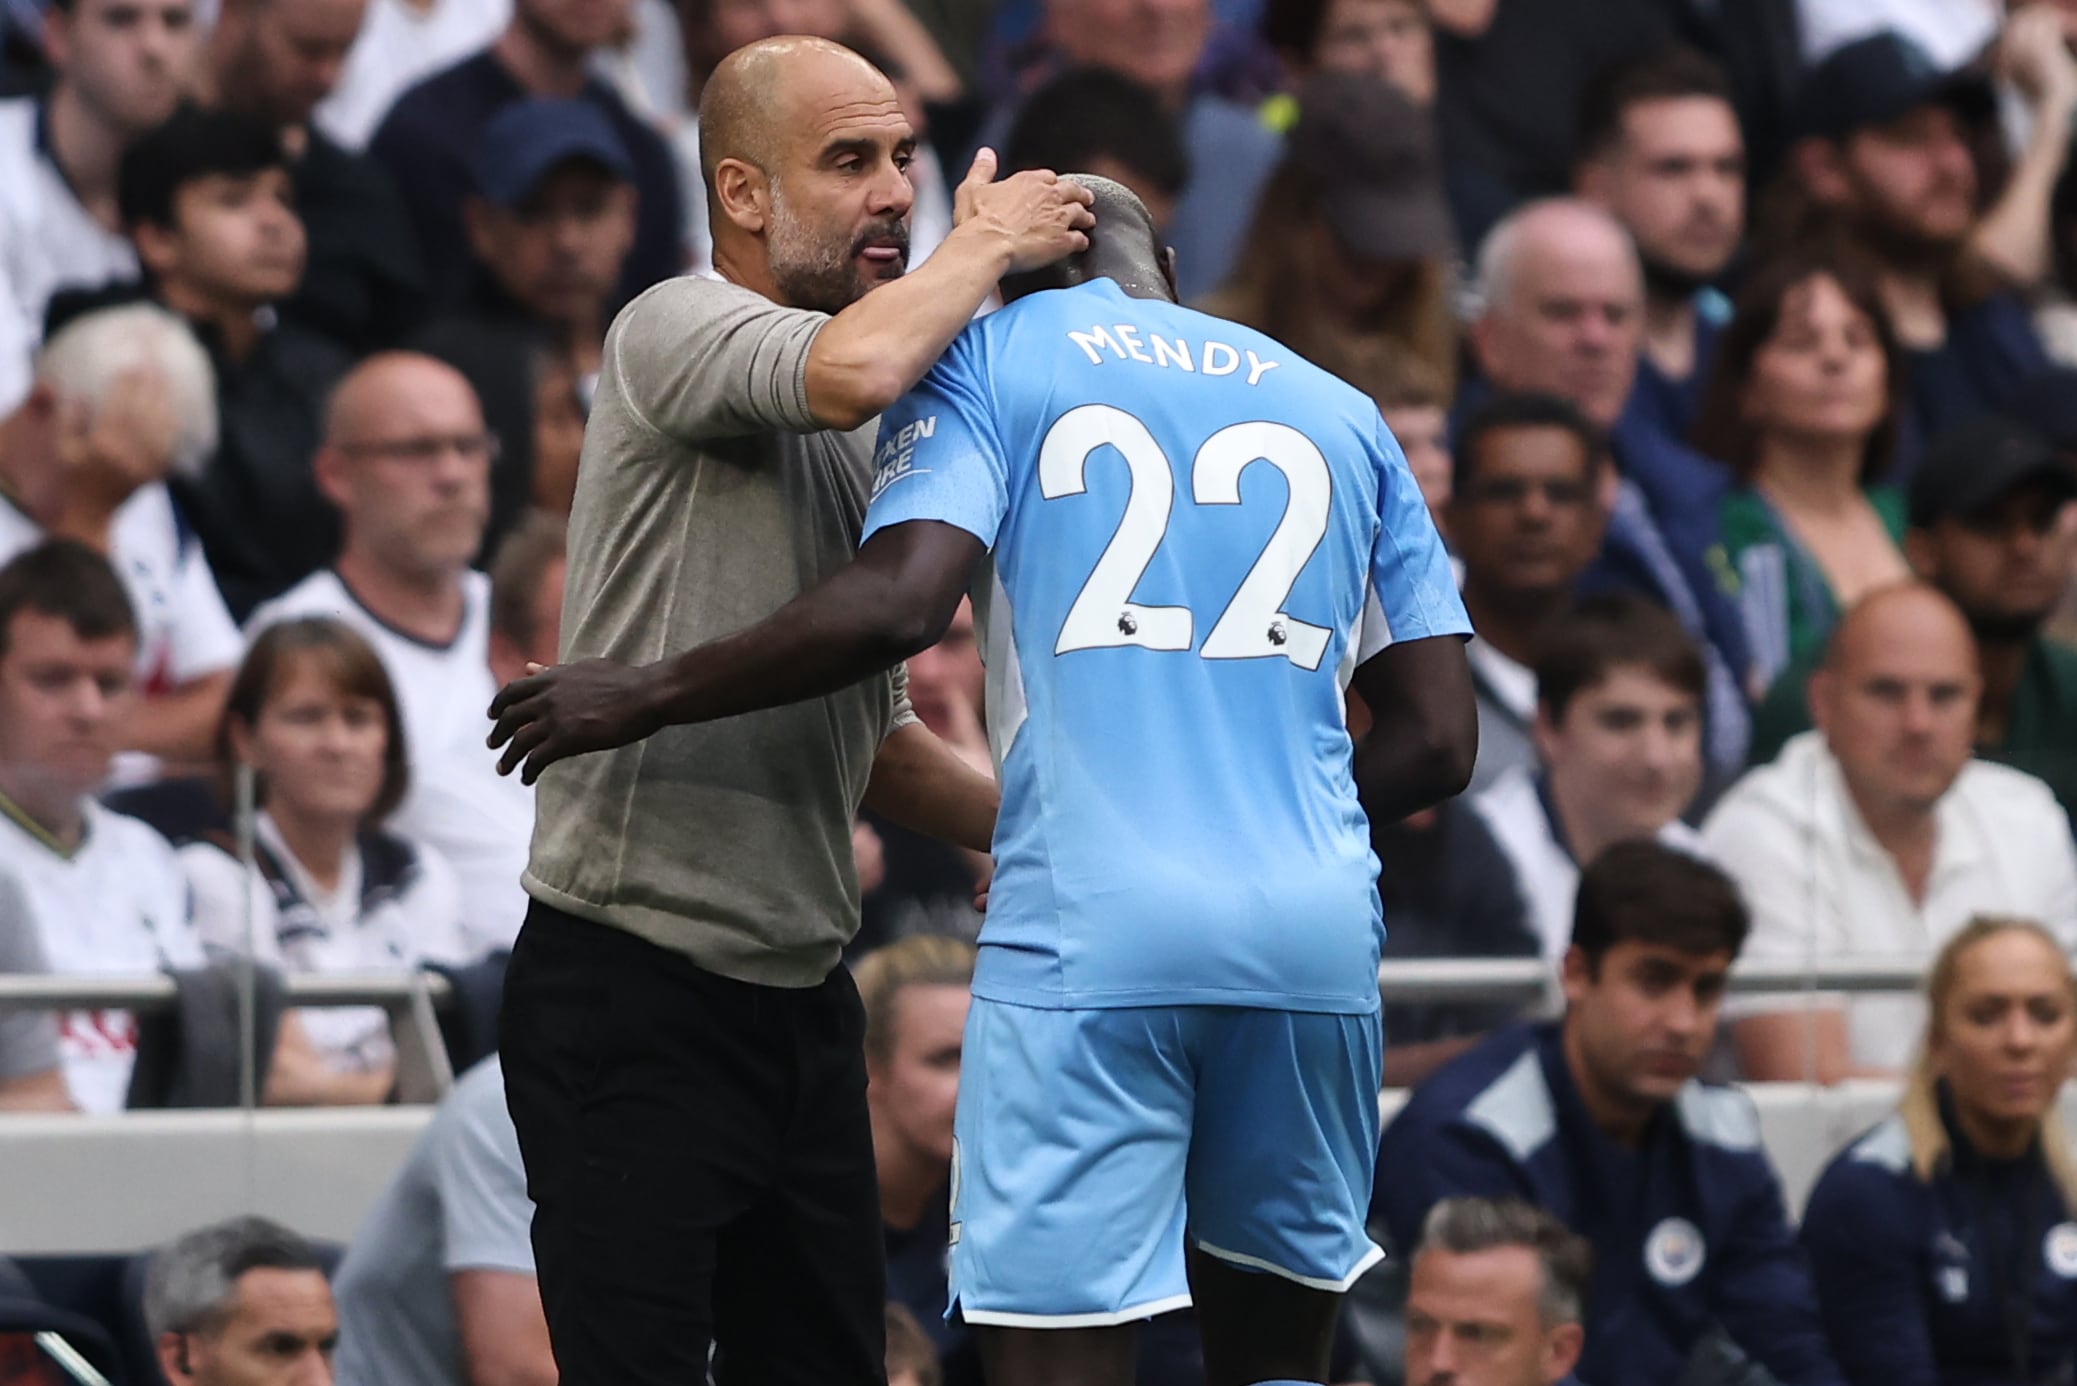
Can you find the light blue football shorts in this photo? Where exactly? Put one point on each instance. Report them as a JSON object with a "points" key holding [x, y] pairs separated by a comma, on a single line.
{"points": [[1090, 1144]]}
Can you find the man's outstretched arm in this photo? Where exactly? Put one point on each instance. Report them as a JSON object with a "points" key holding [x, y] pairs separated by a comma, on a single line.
{"points": [[895, 599]]}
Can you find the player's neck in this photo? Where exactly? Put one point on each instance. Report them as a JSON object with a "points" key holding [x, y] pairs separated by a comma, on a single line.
{"points": [[1513, 622], [426, 606]]}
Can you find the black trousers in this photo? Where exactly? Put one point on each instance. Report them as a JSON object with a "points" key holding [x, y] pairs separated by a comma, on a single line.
{"points": [[701, 1165]]}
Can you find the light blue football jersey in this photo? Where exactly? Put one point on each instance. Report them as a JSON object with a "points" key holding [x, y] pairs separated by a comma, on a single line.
{"points": [[1195, 537]]}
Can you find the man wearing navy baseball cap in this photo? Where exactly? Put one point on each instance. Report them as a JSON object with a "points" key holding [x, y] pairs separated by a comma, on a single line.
{"points": [[1986, 510], [551, 220], [1884, 149]]}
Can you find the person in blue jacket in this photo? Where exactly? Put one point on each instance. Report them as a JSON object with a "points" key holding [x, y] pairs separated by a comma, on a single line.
{"points": [[1942, 1241], [1599, 1119]]}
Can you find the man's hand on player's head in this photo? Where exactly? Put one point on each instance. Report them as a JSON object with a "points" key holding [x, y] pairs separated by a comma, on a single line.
{"points": [[1040, 215], [551, 714]]}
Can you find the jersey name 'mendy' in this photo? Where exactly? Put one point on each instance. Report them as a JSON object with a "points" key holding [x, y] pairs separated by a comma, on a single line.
{"points": [[1122, 342]]}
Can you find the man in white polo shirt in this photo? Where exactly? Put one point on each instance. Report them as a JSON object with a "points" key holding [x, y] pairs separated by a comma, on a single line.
{"points": [[406, 459], [1618, 736], [105, 890], [122, 66], [1879, 835]]}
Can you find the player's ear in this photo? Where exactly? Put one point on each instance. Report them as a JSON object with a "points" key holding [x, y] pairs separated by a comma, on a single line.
{"points": [[744, 193]]}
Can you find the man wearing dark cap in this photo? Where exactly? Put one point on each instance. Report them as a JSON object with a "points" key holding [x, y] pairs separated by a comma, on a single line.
{"points": [[1884, 149], [550, 227], [1985, 507]]}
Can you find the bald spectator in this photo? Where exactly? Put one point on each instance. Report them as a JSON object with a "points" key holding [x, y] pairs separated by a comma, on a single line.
{"points": [[1878, 834], [124, 398], [209, 200], [1884, 153], [1660, 148], [1985, 511], [1563, 313], [430, 139], [277, 60], [551, 224], [121, 67], [1158, 43], [406, 459], [1528, 508]]}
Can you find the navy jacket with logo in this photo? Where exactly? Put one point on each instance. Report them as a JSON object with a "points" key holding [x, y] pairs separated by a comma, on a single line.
{"points": [[1689, 1232], [1964, 1280]]}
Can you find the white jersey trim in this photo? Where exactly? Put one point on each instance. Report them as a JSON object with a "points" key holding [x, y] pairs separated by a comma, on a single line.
{"points": [[997, 1319], [1312, 1282]]}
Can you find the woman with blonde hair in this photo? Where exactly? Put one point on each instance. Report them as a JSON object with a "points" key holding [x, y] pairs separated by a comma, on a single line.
{"points": [[1942, 1243]]}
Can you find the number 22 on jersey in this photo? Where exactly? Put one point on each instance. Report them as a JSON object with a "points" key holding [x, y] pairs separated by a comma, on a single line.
{"points": [[1254, 624]]}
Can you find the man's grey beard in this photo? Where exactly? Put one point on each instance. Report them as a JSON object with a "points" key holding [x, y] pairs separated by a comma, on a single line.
{"points": [[821, 275]]}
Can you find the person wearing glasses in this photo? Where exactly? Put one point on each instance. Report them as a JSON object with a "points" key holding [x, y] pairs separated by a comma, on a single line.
{"points": [[406, 459]]}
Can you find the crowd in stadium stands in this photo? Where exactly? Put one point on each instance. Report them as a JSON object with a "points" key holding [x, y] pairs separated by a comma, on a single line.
{"points": [[1732, 343]]}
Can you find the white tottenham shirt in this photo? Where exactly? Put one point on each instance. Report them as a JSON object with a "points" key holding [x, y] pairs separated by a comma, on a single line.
{"points": [[1544, 870], [48, 242], [401, 43], [1822, 889], [480, 821], [390, 917], [117, 905]]}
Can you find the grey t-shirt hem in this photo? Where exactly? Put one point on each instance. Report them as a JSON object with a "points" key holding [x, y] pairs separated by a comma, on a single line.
{"points": [[718, 948]]}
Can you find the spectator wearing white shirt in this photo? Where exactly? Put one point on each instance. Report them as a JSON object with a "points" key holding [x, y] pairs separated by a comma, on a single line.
{"points": [[125, 397], [402, 41], [121, 67], [313, 715], [1878, 834], [406, 459], [104, 890], [1618, 736]]}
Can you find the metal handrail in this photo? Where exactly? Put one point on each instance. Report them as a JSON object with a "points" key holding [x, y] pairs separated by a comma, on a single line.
{"points": [[1456, 979], [146, 992], [409, 998]]}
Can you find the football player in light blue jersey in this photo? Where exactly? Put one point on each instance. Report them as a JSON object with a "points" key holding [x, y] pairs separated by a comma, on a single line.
{"points": [[1184, 544]]}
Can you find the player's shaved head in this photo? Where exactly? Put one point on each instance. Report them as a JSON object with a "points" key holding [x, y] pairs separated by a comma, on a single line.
{"points": [[1124, 246], [754, 100], [372, 390], [804, 148]]}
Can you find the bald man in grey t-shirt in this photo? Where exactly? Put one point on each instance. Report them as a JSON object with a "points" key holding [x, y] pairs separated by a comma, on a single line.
{"points": [[682, 1046]]}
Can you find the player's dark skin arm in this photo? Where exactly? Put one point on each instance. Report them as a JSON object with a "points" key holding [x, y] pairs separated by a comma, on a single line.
{"points": [[894, 600], [1423, 734]]}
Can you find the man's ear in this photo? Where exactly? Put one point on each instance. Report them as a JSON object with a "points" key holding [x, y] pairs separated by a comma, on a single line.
{"points": [[330, 466], [744, 194], [1575, 975], [477, 218], [158, 247], [1561, 1351], [1821, 165], [1922, 553], [1543, 733]]}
